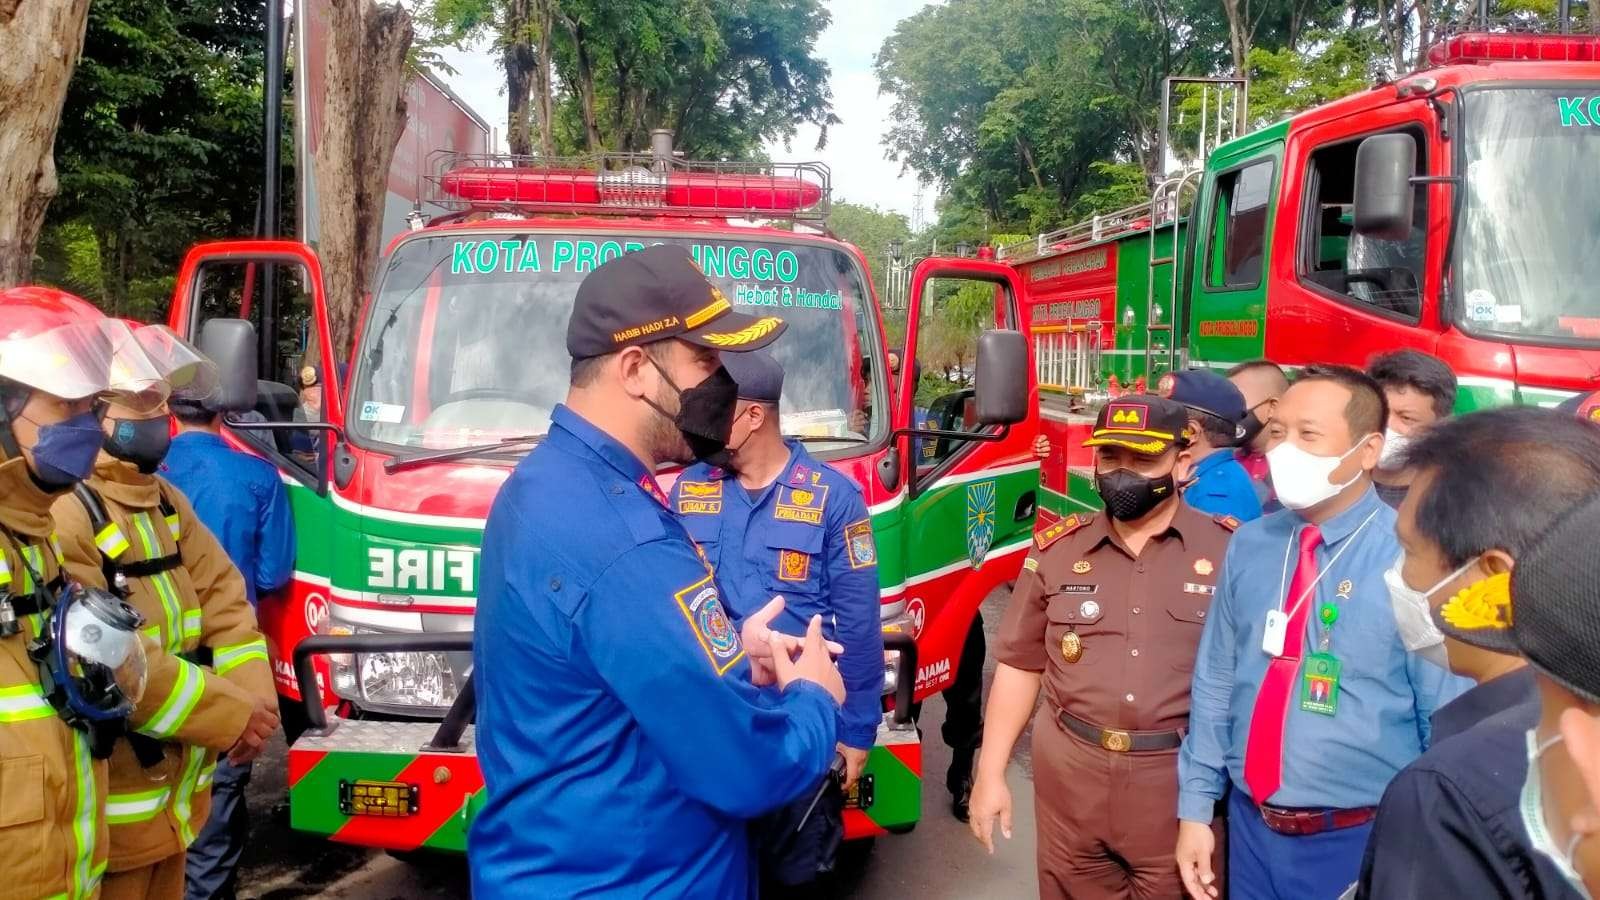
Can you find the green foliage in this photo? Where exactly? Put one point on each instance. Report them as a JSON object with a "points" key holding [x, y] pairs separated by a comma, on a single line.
{"points": [[159, 146], [872, 230], [1284, 81], [726, 75]]}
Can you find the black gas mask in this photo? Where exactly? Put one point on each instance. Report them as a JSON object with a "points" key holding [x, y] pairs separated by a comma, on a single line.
{"points": [[1129, 495]]}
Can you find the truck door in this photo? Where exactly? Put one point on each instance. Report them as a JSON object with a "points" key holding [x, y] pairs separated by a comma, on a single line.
{"points": [[970, 491], [277, 287]]}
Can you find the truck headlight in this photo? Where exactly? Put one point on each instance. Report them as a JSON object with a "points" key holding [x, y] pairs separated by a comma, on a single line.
{"points": [[418, 683]]}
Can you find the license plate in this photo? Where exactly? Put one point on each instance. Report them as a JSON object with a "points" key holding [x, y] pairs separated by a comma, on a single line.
{"points": [[860, 796], [386, 799]]}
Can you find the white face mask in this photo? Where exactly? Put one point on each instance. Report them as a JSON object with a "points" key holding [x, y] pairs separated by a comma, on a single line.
{"points": [[1532, 809], [1412, 613], [1300, 477], [1394, 446]]}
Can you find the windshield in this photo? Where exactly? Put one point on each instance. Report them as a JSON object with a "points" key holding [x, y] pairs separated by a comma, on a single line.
{"points": [[466, 340], [1527, 245]]}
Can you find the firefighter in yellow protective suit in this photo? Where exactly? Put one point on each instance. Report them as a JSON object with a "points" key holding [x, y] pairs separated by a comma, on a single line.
{"points": [[210, 687], [56, 360]]}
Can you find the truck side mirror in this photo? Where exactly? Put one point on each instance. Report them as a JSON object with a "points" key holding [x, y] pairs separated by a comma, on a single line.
{"points": [[1000, 385], [1383, 194], [231, 344]]}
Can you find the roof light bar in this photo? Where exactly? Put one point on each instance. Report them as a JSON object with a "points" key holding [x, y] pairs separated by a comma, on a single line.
{"points": [[1476, 47]]}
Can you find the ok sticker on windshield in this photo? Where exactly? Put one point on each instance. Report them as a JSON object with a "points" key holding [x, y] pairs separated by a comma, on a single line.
{"points": [[382, 413]]}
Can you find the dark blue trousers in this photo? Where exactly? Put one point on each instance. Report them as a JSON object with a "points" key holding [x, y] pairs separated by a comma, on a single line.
{"points": [[1266, 865], [213, 863]]}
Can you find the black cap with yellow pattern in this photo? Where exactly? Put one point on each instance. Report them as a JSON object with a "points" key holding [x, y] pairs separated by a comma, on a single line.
{"points": [[654, 294], [1143, 423]]}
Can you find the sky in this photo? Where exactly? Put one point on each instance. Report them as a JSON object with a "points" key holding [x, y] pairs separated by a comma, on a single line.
{"points": [[854, 153]]}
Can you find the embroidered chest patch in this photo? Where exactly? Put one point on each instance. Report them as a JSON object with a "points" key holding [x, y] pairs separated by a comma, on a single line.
{"points": [[801, 504], [699, 498]]}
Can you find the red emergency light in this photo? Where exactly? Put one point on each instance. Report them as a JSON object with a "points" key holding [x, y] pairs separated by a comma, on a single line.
{"points": [[632, 189], [1477, 47]]}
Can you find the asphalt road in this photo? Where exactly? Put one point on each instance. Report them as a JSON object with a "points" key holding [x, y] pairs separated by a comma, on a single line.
{"points": [[938, 860]]}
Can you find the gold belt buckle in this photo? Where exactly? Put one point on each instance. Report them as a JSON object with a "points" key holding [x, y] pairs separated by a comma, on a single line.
{"points": [[1116, 741]]}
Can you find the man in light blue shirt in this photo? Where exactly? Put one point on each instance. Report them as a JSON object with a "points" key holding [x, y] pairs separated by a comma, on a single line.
{"points": [[1305, 701]]}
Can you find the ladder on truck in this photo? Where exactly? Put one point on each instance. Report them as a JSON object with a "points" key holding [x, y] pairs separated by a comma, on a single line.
{"points": [[1223, 103]]}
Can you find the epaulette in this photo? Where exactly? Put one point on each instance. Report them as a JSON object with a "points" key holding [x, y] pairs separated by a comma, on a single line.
{"points": [[1231, 523], [1060, 530]]}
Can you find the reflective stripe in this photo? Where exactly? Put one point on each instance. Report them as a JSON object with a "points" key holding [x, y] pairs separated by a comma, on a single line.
{"points": [[226, 659], [191, 623], [182, 701], [85, 827], [5, 571], [194, 756], [207, 775], [24, 703], [141, 806], [153, 633], [111, 541], [55, 544], [172, 526], [164, 588], [31, 558]]}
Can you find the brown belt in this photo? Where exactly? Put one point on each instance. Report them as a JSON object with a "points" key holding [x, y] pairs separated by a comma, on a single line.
{"points": [[1118, 741], [1300, 822]]}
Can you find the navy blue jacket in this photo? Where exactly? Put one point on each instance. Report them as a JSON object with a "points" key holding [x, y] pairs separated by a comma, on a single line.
{"points": [[820, 556], [622, 745]]}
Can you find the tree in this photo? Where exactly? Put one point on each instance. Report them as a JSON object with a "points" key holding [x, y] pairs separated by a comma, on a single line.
{"points": [[162, 115], [725, 75], [367, 73], [39, 45], [872, 230]]}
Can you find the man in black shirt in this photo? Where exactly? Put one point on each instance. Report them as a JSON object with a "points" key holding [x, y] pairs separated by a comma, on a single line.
{"points": [[1485, 488], [1420, 390]]}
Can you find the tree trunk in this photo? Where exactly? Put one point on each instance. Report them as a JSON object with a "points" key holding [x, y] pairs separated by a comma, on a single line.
{"points": [[1238, 34], [519, 62], [585, 86], [40, 41], [366, 80], [543, 77]]}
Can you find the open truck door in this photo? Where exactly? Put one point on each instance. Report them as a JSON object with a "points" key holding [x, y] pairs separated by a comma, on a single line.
{"points": [[964, 458], [258, 306]]}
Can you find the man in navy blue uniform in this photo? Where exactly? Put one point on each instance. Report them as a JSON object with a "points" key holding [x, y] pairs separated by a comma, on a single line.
{"points": [[240, 498], [1220, 484], [626, 730], [775, 521]]}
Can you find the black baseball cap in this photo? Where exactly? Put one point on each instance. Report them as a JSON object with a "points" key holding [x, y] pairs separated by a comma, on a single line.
{"points": [[1205, 391], [759, 376], [654, 294], [1143, 423], [1547, 609]]}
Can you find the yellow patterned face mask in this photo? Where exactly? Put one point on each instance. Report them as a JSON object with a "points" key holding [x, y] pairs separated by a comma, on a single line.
{"points": [[1482, 605]]}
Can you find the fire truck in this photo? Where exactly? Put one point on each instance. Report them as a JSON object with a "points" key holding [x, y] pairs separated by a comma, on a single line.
{"points": [[1445, 210], [393, 461]]}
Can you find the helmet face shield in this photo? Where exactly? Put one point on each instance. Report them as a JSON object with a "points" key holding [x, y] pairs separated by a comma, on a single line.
{"points": [[188, 373], [71, 361]]}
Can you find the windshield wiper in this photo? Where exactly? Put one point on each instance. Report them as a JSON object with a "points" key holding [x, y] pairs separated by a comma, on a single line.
{"points": [[401, 463]]}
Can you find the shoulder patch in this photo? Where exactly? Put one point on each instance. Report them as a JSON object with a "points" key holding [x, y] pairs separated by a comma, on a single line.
{"points": [[1231, 523], [702, 608], [1060, 530], [859, 545]]}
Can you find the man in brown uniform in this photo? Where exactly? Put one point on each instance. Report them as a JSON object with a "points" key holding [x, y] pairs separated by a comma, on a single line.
{"points": [[1107, 613]]}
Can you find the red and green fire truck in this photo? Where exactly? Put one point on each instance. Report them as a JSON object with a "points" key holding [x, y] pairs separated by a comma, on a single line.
{"points": [[1451, 210], [451, 378]]}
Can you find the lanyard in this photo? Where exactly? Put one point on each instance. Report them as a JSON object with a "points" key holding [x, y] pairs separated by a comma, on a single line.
{"points": [[1283, 577]]}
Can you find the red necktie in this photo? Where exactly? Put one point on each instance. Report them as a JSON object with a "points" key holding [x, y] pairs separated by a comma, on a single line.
{"points": [[1263, 752]]}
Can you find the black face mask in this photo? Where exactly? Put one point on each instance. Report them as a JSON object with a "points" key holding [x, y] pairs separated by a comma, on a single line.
{"points": [[1129, 495], [705, 413], [143, 442], [1251, 425]]}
